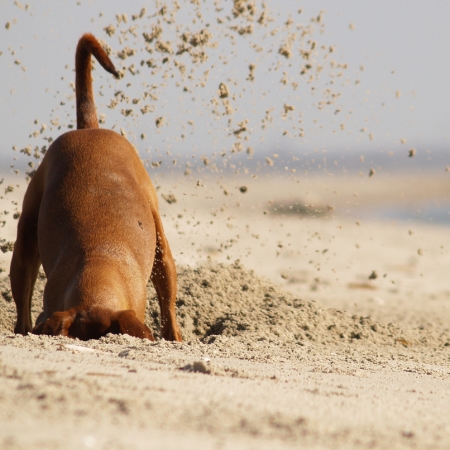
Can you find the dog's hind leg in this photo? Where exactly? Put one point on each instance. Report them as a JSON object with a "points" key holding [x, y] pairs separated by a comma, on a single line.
{"points": [[164, 278], [26, 261]]}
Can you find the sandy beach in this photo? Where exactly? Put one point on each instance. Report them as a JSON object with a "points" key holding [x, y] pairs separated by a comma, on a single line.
{"points": [[303, 177], [299, 331]]}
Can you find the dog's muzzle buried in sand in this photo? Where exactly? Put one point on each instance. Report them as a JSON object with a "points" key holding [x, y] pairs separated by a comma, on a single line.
{"points": [[90, 217]]}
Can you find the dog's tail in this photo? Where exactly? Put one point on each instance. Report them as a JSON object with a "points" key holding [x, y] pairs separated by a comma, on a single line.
{"points": [[86, 111]]}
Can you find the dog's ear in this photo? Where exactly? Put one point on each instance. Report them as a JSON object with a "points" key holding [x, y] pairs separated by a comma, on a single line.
{"points": [[126, 322], [57, 324]]}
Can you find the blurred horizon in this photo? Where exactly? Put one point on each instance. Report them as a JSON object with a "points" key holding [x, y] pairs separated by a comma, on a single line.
{"points": [[333, 89]]}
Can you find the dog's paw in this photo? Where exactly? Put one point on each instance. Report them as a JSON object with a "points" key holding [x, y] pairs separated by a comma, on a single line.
{"points": [[57, 324], [22, 329], [172, 334], [126, 322]]}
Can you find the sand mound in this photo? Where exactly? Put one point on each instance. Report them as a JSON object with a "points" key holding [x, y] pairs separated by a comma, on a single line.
{"points": [[227, 300], [231, 301]]}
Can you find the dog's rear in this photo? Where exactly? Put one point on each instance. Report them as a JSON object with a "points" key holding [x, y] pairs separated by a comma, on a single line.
{"points": [[90, 215]]}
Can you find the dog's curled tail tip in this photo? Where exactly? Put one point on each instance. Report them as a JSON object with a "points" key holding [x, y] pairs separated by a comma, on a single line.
{"points": [[87, 46]]}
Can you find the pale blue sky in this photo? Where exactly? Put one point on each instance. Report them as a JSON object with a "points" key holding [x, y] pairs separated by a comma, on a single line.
{"points": [[404, 47]]}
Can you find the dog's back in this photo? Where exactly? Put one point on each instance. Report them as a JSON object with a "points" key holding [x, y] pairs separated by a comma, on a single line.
{"points": [[96, 205]]}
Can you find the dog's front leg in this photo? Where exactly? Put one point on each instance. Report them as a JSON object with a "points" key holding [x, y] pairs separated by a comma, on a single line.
{"points": [[25, 265], [164, 279], [26, 261]]}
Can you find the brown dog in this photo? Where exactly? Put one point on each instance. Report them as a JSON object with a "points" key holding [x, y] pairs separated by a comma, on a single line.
{"points": [[90, 216]]}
